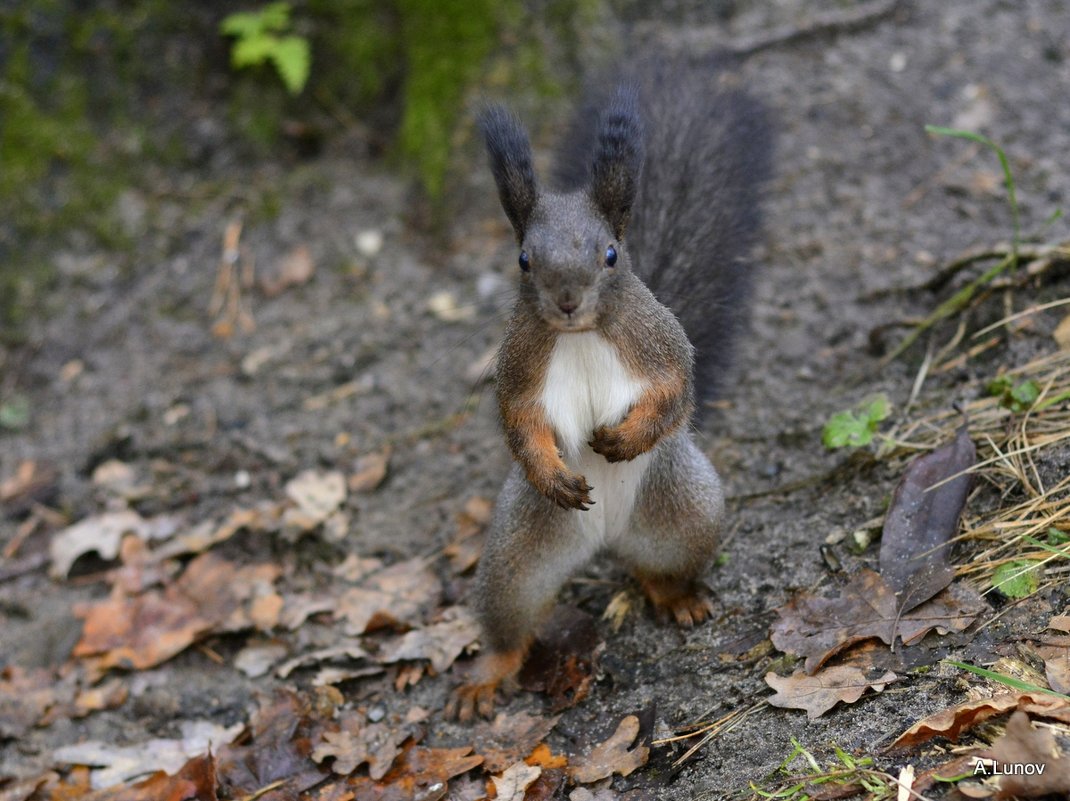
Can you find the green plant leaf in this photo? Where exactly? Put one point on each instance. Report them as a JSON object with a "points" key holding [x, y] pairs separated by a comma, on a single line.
{"points": [[254, 51], [1025, 394], [1002, 678], [275, 17], [856, 427], [1017, 579], [15, 413], [1057, 537], [243, 24], [293, 61]]}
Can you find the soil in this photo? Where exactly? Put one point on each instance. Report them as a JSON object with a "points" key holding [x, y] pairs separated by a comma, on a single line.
{"points": [[863, 201]]}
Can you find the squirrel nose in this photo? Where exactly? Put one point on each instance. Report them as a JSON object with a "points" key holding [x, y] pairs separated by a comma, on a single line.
{"points": [[567, 306]]}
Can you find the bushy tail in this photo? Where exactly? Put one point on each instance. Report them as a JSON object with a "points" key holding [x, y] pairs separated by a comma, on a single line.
{"points": [[697, 215]]}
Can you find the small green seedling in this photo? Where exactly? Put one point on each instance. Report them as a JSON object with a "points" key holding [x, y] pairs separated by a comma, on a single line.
{"points": [[1016, 397], [856, 427], [1017, 579], [259, 37], [1057, 537]]}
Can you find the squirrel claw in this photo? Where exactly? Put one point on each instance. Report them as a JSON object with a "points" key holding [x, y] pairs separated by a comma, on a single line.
{"points": [[614, 446], [570, 491], [470, 700]]}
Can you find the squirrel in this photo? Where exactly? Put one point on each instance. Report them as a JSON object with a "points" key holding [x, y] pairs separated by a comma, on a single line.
{"points": [[634, 284]]}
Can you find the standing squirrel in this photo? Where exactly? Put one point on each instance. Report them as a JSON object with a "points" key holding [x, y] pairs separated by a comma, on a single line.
{"points": [[632, 268]]}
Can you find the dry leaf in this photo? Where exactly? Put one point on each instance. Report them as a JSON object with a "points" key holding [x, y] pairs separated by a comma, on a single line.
{"points": [[950, 723], [562, 661], [33, 482], [357, 742], [866, 608], [415, 772], [1061, 334], [118, 763], [1055, 651], [345, 650], [817, 694], [612, 756], [212, 595], [394, 596], [440, 643], [104, 534], [1026, 744], [25, 697], [370, 470], [256, 659], [922, 519], [276, 747], [512, 737], [467, 545], [513, 783], [296, 268], [317, 494]]}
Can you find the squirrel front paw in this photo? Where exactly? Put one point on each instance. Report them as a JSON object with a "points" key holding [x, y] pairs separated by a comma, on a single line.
{"points": [[569, 491], [614, 444]]}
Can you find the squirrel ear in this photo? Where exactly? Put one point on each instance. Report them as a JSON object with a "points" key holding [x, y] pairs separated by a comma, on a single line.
{"points": [[618, 159], [510, 161]]}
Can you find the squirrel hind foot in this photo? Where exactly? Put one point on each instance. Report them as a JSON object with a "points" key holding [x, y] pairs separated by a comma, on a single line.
{"points": [[477, 696], [687, 603]]}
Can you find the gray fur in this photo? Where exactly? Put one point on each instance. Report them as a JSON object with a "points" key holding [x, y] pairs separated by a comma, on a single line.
{"points": [[683, 224]]}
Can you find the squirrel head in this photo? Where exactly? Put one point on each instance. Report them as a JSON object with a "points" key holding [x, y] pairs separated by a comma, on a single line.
{"points": [[571, 245]]}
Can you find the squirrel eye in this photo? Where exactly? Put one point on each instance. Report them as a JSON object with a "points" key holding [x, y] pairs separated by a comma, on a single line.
{"points": [[611, 256], [524, 261]]}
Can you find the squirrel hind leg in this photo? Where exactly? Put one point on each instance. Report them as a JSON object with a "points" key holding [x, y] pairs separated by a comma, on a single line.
{"points": [[674, 531], [532, 548], [478, 695], [685, 602]]}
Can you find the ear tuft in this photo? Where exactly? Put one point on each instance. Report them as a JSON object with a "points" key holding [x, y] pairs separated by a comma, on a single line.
{"points": [[618, 159], [510, 162]]}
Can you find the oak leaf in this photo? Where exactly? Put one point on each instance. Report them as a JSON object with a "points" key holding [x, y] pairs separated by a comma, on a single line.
{"points": [[440, 643], [512, 784], [394, 596], [817, 694], [951, 722], [509, 738], [615, 755]]}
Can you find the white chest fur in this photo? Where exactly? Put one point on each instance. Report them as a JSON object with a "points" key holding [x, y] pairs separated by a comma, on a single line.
{"points": [[587, 386]]}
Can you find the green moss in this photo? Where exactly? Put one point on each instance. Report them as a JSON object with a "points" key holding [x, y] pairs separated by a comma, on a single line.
{"points": [[446, 43]]}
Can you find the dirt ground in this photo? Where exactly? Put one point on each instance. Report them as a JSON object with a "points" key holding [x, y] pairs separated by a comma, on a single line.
{"points": [[863, 201]]}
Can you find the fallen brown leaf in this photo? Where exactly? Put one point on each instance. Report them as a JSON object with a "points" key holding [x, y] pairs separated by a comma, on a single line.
{"points": [[817, 694], [465, 549], [915, 558], [115, 764], [865, 608], [512, 784], [563, 659], [295, 268], [277, 748], [370, 470], [103, 534], [212, 595], [414, 772], [23, 789], [33, 482], [25, 697], [1023, 744], [394, 596], [440, 643], [950, 723], [317, 495], [356, 742], [509, 738], [1055, 651], [612, 756]]}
